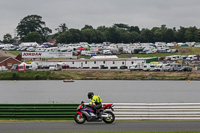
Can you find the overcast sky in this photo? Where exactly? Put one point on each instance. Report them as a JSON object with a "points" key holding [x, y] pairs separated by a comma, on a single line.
{"points": [[77, 13]]}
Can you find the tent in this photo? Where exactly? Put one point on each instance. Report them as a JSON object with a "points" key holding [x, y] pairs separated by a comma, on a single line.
{"points": [[184, 45], [153, 45], [87, 47], [81, 48]]}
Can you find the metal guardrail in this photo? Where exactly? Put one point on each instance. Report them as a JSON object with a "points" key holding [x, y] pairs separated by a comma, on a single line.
{"points": [[153, 111], [122, 111], [38, 111]]}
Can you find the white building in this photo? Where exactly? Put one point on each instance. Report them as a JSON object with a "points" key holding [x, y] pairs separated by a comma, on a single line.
{"points": [[100, 63]]}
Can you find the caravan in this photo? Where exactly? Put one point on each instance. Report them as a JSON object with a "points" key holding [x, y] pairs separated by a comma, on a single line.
{"points": [[56, 67], [135, 67], [175, 66], [192, 57], [149, 67], [27, 67]]}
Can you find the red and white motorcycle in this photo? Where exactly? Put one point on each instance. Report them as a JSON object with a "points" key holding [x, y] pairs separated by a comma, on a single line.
{"points": [[86, 113]]}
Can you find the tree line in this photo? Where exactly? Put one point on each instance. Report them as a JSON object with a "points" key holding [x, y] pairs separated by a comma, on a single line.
{"points": [[33, 29]]}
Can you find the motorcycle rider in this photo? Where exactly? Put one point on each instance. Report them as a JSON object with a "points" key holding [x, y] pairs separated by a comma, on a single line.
{"points": [[97, 101]]}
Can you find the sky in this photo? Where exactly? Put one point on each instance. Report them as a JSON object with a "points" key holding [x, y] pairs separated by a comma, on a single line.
{"points": [[77, 13]]}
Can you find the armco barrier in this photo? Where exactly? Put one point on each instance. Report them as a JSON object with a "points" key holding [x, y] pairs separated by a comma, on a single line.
{"points": [[123, 111], [157, 111], [38, 111]]}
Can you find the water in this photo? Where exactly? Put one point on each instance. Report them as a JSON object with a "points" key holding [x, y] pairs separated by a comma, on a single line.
{"points": [[115, 91]]}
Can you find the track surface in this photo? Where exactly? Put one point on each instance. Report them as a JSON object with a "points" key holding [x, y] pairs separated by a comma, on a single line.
{"points": [[118, 126]]}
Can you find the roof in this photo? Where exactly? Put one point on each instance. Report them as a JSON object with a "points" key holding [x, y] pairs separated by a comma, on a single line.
{"points": [[105, 57], [108, 59], [2, 59]]}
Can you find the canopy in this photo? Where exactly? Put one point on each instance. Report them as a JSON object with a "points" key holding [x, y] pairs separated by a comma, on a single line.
{"points": [[184, 45], [81, 48], [87, 47], [153, 45]]}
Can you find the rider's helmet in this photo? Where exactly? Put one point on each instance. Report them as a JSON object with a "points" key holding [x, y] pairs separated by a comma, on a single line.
{"points": [[90, 95]]}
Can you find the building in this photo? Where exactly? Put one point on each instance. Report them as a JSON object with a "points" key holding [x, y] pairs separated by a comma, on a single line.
{"points": [[8, 62], [101, 63]]}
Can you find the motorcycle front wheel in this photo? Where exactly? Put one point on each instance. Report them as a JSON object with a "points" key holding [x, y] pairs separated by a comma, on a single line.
{"points": [[111, 117], [79, 119]]}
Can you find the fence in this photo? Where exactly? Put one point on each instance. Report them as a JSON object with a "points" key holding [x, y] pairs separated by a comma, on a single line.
{"points": [[157, 111], [123, 111], [38, 111]]}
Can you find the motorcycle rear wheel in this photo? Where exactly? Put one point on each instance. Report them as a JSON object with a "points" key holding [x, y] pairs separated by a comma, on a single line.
{"points": [[111, 117], [79, 119]]}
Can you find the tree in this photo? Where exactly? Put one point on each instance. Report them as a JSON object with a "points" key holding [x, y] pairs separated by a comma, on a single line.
{"points": [[180, 35], [87, 27], [62, 28], [135, 36], [169, 35], [122, 26], [158, 36], [32, 23], [7, 38], [147, 35], [70, 36], [197, 35], [33, 37], [88, 35], [190, 34], [134, 28]]}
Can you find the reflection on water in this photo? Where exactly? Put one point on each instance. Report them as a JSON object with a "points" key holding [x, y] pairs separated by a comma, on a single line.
{"points": [[115, 91]]}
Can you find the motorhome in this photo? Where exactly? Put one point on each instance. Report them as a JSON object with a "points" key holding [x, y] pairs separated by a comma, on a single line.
{"points": [[27, 67], [107, 52], [149, 67], [40, 49], [159, 67], [175, 66], [135, 67], [192, 57], [52, 49], [56, 67], [166, 67], [174, 57]]}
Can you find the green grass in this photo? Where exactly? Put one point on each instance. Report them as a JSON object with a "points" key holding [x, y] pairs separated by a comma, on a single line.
{"points": [[29, 75], [182, 51], [126, 132], [16, 52], [81, 56]]}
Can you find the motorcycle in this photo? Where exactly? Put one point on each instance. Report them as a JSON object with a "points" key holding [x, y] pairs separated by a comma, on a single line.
{"points": [[86, 113]]}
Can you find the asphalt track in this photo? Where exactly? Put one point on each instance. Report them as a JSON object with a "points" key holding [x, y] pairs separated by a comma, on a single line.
{"points": [[118, 126]]}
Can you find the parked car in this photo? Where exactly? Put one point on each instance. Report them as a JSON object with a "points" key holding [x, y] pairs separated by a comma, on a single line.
{"points": [[185, 68]]}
